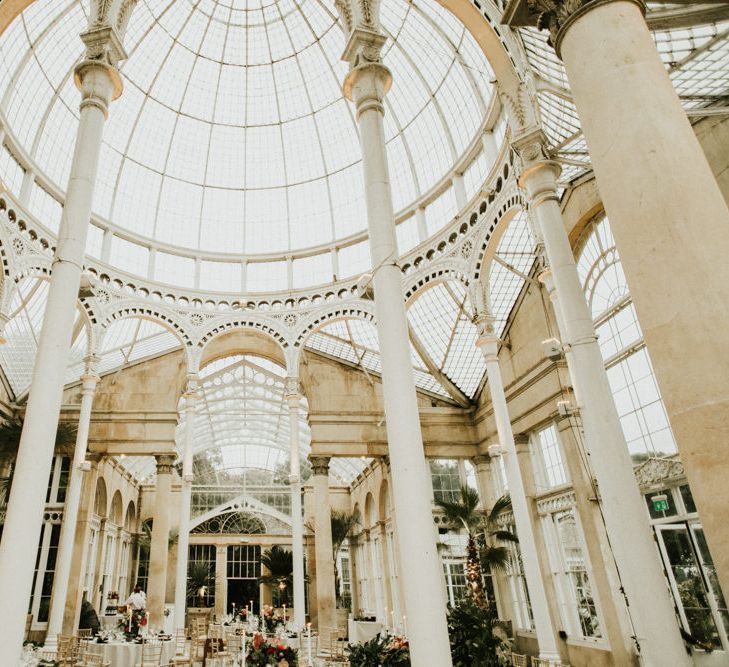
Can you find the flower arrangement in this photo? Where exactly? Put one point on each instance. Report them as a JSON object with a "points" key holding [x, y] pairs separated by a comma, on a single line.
{"points": [[262, 653], [270, 619], [132, 621], [380, 651]]}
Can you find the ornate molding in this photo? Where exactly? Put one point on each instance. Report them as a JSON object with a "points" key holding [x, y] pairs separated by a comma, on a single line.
{"points": [[563, 501], [320, 464], [658, 471], [165, 464], [554, 16]]}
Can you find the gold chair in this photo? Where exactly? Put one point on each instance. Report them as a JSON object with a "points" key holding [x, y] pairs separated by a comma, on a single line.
{"points": [[183, 651], [151, 654], [91, 660], [331, 649], [541, 662], [84, 634], [518, 660]]}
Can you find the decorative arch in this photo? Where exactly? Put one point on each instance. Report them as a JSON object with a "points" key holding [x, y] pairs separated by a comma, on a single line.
{"points": [[129, 309], [130, 517], [370, 515], [384, 501], [363, 310], [438, 275], [115, 511], [100, 501], [495, 221], [243, 337], [243, 523]]}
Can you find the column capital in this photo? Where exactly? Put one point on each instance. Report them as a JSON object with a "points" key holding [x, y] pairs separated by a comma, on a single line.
{"points": [[488, 343], [165, 463], [481, 460], [367, 85], [320, 464], [521, 443], [555, 16], [292, 391]]}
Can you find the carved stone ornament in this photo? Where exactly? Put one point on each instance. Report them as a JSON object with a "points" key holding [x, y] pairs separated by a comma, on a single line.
{"points": [[319, 464], [365, 39], [555, 16], [658, 471], [531, 147]]}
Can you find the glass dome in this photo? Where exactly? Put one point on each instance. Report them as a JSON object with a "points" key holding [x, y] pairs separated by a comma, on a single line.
{"points": [[233, 143]]}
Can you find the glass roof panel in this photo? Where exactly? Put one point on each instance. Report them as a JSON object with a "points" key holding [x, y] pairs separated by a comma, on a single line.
{"points": [[204, 149]]}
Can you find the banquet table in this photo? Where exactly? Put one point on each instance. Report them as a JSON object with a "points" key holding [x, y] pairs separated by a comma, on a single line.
{"points": [[128, 654]]}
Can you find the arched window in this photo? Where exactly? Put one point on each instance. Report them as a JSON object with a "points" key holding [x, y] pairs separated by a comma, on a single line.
{"points": [[635, 390]]}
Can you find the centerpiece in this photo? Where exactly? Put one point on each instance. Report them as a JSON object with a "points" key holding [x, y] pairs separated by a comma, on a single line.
{"points": [[262, 653], [132, 621]]}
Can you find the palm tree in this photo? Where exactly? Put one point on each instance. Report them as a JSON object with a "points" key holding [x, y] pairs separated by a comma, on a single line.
{"points": [[466, 513], [342, 524], [10, 432], [280, 565]]}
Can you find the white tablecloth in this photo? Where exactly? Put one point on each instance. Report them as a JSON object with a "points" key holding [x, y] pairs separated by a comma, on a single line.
{"points": [[128, 654], [110, 622], [362, 631]]}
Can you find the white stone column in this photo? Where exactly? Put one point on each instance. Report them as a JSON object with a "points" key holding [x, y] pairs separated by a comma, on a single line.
{"points": [[671, 227], [293, 399], [326, 600], [99, 82], [489, 346], [183, 534], [70, 510], [366, 85], [631, 540], [159, 548]]}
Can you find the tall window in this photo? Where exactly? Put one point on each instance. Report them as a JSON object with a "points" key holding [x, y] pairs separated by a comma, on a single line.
{"points": [[345, 578], [446, 479], [45, 563], [637, 398], [517, 585], [572, 581], [455, 576], [201, 575], [547, 457]]}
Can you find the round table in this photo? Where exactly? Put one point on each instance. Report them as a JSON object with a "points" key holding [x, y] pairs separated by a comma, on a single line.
{"points": [[128, 654]]}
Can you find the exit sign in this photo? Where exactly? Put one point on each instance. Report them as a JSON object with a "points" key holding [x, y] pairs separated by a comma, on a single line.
{"points": [[660, 503]]}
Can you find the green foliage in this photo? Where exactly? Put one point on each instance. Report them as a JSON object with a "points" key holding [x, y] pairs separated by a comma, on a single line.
{"points": [[342, 524], [280, 564], [379, 652], [477, 637], [467, 514], [198, 575]]}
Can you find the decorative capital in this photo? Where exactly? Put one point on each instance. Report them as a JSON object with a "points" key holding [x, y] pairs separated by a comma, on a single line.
{"points": [[165, 464], [481, 460], [361, 22], [320, 464], [555, 16], [292, 390]]}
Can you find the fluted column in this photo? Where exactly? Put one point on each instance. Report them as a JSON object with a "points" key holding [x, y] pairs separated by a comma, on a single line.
{"points": [[631, 540], [293, 399], [183, 533], [70, 510], [366, 86], [671, 228], [99, 83], [488, 343], [159, 549], [326, 600]]}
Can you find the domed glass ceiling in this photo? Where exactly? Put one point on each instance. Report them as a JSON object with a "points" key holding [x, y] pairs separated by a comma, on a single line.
{"points": [[232, 135]]}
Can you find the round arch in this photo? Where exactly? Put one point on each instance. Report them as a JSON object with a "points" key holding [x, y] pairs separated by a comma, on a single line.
{"points": [[234, 338], [115, 511], [100, 501]]}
